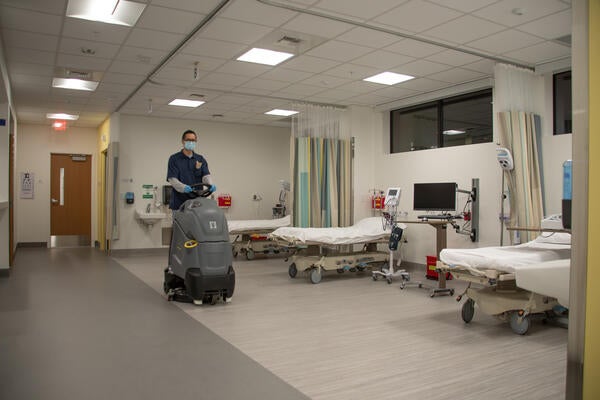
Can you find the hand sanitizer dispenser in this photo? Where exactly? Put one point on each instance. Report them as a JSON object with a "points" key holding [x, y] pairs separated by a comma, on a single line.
{"points": [[129, 197]]}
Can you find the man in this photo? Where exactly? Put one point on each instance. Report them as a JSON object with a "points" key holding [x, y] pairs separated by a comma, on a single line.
{"points": [[185, 169]]}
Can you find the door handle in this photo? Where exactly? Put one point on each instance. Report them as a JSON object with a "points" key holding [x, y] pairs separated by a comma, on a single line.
{"points": [[54, 201]]}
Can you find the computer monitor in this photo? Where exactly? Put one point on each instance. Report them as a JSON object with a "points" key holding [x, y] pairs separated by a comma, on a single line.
{"points": [[435, 196]]}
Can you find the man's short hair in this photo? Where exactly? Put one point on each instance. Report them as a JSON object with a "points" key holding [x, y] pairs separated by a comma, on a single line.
{"points": [[188, 131]]}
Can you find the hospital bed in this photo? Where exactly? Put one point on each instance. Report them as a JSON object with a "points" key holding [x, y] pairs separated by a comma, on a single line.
{"points": [[514, 283], [325, 249], [251, 236]]}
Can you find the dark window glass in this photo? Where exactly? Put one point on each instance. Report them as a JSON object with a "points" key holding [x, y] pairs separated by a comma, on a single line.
{"points": [[455, 121], [562, 103]]}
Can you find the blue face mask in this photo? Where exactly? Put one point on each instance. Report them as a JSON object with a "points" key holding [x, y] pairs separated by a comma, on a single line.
{"points": [[188, 145]]}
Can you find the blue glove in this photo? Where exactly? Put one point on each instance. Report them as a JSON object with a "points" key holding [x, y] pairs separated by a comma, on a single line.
{"points": [[187, 189], [213, 188]]}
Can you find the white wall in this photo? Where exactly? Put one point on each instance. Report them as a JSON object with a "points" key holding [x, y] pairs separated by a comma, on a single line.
{"points": [[243, 160], [35, 144]]}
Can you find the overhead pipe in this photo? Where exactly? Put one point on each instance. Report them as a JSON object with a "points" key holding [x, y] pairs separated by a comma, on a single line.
{"points": [[395, 33]]}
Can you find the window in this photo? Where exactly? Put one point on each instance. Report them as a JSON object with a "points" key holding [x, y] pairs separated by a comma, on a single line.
{"points": [[455, 121], [562, 103]]}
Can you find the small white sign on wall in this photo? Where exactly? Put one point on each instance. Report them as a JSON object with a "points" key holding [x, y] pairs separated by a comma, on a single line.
{"points": [[27, 179]]}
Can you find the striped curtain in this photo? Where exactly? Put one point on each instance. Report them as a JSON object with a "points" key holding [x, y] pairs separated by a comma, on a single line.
{"points": [[518, 134], [322, 169]]}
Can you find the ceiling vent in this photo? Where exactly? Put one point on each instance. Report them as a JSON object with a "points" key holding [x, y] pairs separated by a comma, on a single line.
{"points": [[289, 41], [564, 40], [70, 73]]}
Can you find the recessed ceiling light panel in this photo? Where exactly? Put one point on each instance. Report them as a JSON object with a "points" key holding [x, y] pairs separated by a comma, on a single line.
{"points": [[388, 78], [282, 113], [186, 103], [70, 117], [264, 56], [119, 12], [75, 84]]}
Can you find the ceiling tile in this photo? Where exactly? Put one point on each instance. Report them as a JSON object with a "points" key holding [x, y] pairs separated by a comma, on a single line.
{"points": [[168, 20], [233, 99], [177, 76], [264, 84], [464, 29], [203, 7], [504, 42], [286, 75], [149, 39], [485, 66], [20, 55], [364, 10], [130, 68], [457, 75], [361, 87], [234, 31], [214, 48], [16, 18], [453, 57], [56, 7], [464, 5], [244, 68], [188, 61], [417, 16], [414, 48], [423, 84], [382, 59], [310, 64], [368, 37], [115, 88], [421, 68], [95, 31], [76, 47], [395, 92], [539, 53], [352, 72], [501, 12], [32, 69], [299, 89], [227, 80], [82, 62], [336, 94], [18, 80], [550, 27], [325, 81], [317, 26], [255, 12], [140, 55], [29, 40], [339, 51]]}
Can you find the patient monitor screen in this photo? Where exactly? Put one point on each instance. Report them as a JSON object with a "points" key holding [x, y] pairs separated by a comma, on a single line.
{"points": [[435, 196]]}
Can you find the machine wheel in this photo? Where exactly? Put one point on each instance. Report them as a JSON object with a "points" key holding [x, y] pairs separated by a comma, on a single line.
{"points": [[389, 280], [292, 270], [249, 254], [375, 277], [468, 310], [315, 275], [165, 287], [451, 292], [519, 325]]}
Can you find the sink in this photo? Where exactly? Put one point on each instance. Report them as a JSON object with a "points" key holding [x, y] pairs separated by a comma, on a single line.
{"points": [[149, 218]]}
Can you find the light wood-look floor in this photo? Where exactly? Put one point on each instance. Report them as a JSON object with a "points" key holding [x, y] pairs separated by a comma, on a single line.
{"points": [[352, 338]]}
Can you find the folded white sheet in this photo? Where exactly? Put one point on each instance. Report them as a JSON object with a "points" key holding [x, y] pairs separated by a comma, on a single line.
{"points": [[549, 278], [245, 226], [507, 258], [364, 231]]}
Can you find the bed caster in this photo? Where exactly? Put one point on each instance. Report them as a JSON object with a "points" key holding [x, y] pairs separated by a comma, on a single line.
{"points": [[519, 323], [375, 277], [459, 297], [468, 310], [315, 276], [340, 270], [292, 270], [451, 292], [235, 254], [389, 280], [249, 254]]}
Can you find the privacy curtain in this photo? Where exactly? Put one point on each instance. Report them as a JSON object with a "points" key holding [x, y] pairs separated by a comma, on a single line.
{"points": [[322, 168], [519, 131]]}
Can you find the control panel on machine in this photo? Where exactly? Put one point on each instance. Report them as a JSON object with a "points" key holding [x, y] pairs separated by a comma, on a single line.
{"points": [[392, 196]]}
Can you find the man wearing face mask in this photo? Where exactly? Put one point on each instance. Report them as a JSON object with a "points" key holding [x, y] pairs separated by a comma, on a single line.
{"points": [[185, 169]]}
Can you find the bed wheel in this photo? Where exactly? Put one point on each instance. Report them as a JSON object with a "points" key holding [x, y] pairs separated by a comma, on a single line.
{"points": [[249, 254], [451, 292], [340, 270], [519, 325], [375, 277], [315, 275], [389, 280], [468, 310], [292, 270], [234, 253]]}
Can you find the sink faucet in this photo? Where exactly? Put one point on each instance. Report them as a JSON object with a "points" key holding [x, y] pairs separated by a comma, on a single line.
{"points": [[148, 207]]}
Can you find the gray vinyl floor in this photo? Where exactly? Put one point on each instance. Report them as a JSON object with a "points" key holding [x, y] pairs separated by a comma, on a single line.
{"points": [[75, 325], [352, 338]]}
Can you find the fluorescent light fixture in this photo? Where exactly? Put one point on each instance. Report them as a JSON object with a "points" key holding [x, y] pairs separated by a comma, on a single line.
{"points": [[119, 12], [63, 116], [76, 84], [264, 56], [453, 132], [186, 103], [388, 78], [283, 113]]}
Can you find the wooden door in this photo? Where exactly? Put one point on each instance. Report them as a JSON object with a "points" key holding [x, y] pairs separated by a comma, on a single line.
{"points": [[71, 195]]}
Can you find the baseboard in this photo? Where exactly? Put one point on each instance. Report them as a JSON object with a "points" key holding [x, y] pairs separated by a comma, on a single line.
{"points": [[4, 272], [32, 244], [156, 251]]}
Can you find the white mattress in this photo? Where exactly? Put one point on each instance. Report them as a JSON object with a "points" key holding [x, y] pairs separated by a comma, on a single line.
{"points": [[549, 278], [364, 231], [508, 258], [244, 226]]}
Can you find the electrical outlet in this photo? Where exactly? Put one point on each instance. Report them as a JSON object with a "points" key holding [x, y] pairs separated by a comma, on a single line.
{"points": [[256, 197]]}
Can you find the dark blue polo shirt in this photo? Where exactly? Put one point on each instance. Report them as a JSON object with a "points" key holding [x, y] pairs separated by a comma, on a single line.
{"points": [[189, 171]]}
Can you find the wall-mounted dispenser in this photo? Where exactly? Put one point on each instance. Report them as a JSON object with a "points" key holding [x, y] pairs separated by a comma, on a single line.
{"points": [[166, 194], [129, 197]]}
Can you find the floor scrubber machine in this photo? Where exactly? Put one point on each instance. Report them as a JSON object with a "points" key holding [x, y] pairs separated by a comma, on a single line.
{"points": [[200, 258]]}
